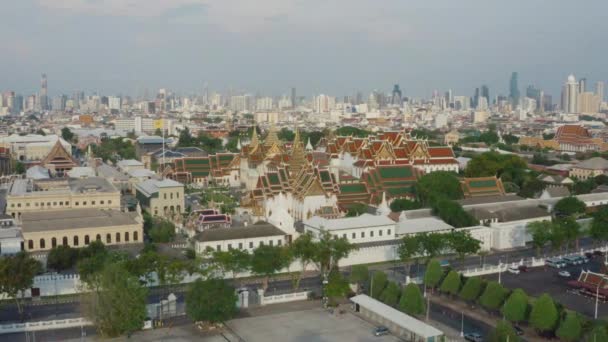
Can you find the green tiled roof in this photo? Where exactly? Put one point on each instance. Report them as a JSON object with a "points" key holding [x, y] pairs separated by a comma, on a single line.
{"points": [[196, 161], [395, 172], [325, 176], [353, 188], [226, 157], [490, 183], [200, 174], [273, 178]]}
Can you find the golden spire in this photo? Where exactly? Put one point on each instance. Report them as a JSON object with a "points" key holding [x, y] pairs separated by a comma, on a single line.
{"points": [[298, 156], [272, 137], [254, 138]]}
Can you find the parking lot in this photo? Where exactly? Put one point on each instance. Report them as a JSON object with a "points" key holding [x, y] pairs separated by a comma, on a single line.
{"points": [[306, 326], [545, 279]]}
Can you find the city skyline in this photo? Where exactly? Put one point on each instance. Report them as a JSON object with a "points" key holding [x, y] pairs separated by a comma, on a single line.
{"points": [[114, 48]]}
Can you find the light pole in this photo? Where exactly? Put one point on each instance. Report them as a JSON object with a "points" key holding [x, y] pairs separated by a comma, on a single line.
{"points": [[499, 270], [597, 299], [462, 324]]}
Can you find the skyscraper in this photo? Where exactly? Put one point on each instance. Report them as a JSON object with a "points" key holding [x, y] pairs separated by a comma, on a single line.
{"points": [[485, 92], [514, 90], [569, 95], [599, 90], [582, 85], [397, 96], [293, 97], [44, 96]]}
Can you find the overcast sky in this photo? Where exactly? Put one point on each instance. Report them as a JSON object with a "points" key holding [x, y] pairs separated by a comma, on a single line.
{"points": [[319, 46]]}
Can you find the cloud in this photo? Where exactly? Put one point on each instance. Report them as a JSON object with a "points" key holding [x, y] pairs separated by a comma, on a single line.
{"points": [[130, 8]]}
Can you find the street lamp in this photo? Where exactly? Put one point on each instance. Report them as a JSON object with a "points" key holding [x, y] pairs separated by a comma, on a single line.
{"points": [[462, 324], [499, 270], [597, 299]]}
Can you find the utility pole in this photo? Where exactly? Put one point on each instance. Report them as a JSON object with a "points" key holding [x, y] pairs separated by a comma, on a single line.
{"points": [[462, 324], [499, 270], [597, 299]]}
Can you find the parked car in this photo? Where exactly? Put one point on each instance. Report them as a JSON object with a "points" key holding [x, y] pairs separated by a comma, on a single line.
{"points": [[523, 268], [513, 269], [564, 274], [555, 262], [519, 331], [444, 263], [572, 260], [381, 331], [598, 253], [473, 337]]}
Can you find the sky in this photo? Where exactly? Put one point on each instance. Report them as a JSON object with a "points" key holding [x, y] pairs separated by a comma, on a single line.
{"points": [[334, 47]]}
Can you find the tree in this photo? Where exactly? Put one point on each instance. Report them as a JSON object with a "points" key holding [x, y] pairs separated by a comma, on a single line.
{"points": [[601, 179], [431, 244], [211, 300], [117, 305], [17, 275], [451, 283], [461, 242], [440, 182], [67, 134], [234, 261], [349, 130], [185, 138], [493, 296], [452, 213], [557, 236], [503, 332], [162, 231], [510, 139], [570, 329], [471, 289], [516, 306], [531, 187], [581, 187], [359, 274], [599, 333], [266, 261], [91, 260], [541, 234], [356, 209], [410, 247], [19, 168], [330, 250], [303, 249], [544, 315], [412, 302], [61, 258], [433, 273], [390, 295], [492, 164], [599, 225], [379, 280], [337, 286], [401, 204], [569, 206], [571, 230]]}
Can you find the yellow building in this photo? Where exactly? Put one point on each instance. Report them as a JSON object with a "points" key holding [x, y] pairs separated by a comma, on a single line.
{"points": [[451, 138], [589, 168], [26, 195], [161, 198], [79, 227]]}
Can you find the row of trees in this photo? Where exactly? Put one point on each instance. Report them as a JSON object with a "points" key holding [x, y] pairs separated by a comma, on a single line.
{"points": [[545, 315], [407, 299], [430, 245]]}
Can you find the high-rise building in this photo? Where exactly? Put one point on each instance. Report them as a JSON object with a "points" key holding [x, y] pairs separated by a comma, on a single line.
{"points": [[588, 102], [264, 103], [59, 103], [582, 85], [514, 90], [569, 95], [485, 92], [114, 103], [475, 100], [599, 90], [462, 102], [44, 95], [449, 98], [293, 98], [536, 94], [396, 98]]}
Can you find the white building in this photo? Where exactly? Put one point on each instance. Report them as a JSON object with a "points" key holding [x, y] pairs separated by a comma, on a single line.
{"points": [[360, 229], [244, 238], [114, 102], [264, 103]]}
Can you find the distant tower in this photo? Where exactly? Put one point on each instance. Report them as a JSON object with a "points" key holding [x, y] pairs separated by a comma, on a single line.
{"points": [[485, 92], [397, 96], [44, 95], [293, 97], [570, 93], [514, 90], [599, 90], [582, 85]]}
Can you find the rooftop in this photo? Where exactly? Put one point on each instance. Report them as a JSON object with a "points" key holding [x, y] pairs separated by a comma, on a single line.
{"points": [[129, 162], [74, 219], [596, 163], [361, 221], [419, 225], [261, 229], [152, 186]]}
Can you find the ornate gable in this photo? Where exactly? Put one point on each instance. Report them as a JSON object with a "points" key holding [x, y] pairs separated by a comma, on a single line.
{"points": [[58, 158]]}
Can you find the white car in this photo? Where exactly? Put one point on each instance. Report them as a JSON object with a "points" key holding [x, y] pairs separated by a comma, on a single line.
{"points": [[564, 274], [513, 269]]}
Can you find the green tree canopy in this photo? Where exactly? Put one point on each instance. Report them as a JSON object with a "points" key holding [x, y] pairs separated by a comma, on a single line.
{"points": [[401, 204], [211, 300], [67, 134], [571, 328], [117, 302], [337, 286], [62, 258], [492, 164], [266, 261], [359, 274], [379, 281], [233, 261], [463, 243], [599, 225], [349, 130], [390, 295], [569, 206], [17, 274], [471, 289], [412, 302], [452, 213], [409, 248], [493, 296], [356, 209], [541, 234], [431, 244], [451, 283], [162, 231], [304, 249], [439, 182], [516, 306], [598, 333], [544, 315], [571, 229], [433, 273], [330, 250], [503, 332]]}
